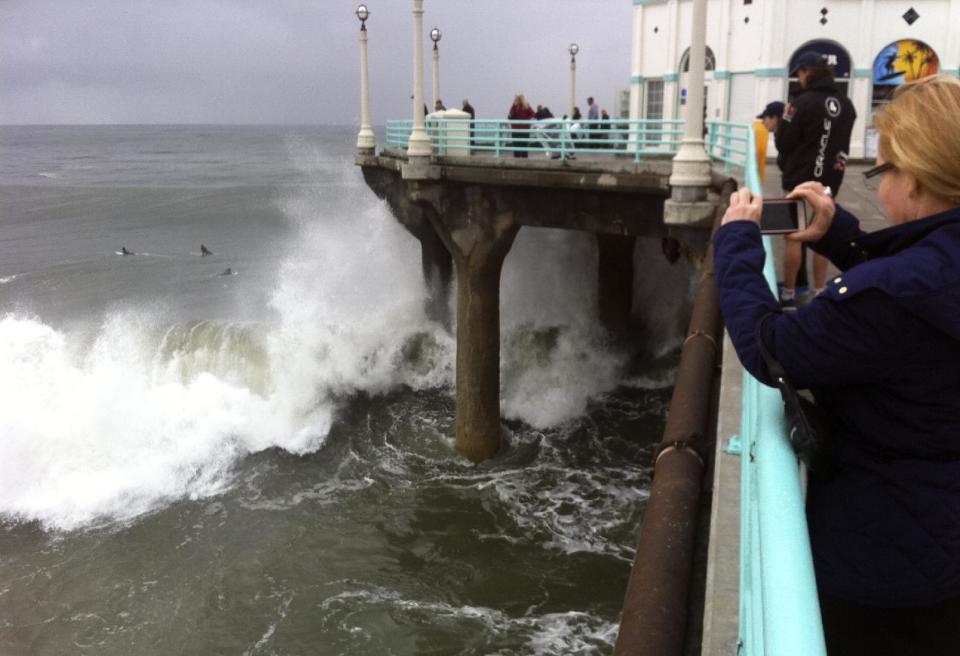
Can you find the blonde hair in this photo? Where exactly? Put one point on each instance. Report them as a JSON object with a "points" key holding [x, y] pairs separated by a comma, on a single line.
{"points": [[920, 136]]}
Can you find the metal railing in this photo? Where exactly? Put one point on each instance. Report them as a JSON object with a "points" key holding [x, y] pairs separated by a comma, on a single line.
{"points": [[779, 609], [556, 138]]}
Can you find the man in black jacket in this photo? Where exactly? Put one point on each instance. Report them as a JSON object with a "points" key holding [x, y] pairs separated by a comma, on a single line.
{"points": [[812, 143]]}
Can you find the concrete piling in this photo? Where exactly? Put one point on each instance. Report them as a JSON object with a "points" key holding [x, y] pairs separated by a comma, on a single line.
{"points": [[615, 283]]}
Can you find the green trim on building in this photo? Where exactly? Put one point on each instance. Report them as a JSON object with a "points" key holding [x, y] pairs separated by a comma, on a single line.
{"points": [[637, 79], [722, 75], [770, 72], [862, 72], [670, 77]]}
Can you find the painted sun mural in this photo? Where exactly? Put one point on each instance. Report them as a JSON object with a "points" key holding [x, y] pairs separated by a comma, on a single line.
{"points": [[904, 61]]}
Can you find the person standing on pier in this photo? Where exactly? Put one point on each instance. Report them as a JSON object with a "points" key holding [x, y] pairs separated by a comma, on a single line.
{"points": [[812, 140], [593, 118], [880, 350], [520, 111], [468, 108]]}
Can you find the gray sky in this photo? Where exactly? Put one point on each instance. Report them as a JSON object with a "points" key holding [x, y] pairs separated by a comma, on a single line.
{"points": [[295, 61]]}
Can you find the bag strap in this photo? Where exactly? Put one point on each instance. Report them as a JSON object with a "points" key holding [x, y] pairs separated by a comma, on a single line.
{"points": [[773, 365]]}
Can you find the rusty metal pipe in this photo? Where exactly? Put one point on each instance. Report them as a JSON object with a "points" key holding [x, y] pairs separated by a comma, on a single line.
{"points": [[654, 617]]}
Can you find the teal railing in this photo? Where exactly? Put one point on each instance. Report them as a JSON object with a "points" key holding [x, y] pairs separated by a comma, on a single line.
{"points": [[557, 138], [779, 610]]}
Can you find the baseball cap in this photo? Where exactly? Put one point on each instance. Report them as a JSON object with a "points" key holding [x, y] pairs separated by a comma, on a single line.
{"points": [[807, 60], [774, 108]]}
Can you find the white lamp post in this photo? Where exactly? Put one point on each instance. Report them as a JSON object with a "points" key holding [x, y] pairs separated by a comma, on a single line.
{"points": [[435, 37], [418, 145], [573, 50], [366, 141], [691, 165]]}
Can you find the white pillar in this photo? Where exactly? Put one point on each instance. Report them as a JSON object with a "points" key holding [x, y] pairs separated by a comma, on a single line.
{"points": [[418, 145], [573, 83], [636, 66], [691, 166], [436, 75], [366, 140]]}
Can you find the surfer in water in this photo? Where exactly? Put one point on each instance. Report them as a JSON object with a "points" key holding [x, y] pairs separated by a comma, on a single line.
{"points": [[204, 251], [227, 272], [124, 251]]}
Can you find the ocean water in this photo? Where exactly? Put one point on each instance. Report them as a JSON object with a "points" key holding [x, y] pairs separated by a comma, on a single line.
{"points": [[251, 452]]}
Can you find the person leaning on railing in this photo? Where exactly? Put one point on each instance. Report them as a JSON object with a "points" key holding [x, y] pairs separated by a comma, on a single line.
{"points": [[880, 350]]}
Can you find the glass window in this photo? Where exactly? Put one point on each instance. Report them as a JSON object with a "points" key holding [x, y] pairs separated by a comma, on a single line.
{"points": [[654, 107], [654, 99]]}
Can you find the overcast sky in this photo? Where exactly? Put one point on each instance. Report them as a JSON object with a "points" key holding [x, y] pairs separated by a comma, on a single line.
{"points": [[295, 61]]}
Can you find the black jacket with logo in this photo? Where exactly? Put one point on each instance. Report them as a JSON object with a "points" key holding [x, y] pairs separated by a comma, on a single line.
{"points": [[814, 136]]}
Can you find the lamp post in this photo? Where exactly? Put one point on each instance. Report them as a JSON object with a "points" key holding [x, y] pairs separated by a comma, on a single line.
{"points": [[435, 37], [691, 165], [366, 141], [418, 145], [573, 50]]}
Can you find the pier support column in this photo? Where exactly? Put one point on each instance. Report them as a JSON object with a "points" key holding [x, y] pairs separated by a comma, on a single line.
{"points": [[437, 265], [479, 245], [615, 282]]}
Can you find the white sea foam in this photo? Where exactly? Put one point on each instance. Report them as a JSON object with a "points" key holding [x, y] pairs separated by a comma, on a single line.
{"points": [[109, 423], [546, 634]]}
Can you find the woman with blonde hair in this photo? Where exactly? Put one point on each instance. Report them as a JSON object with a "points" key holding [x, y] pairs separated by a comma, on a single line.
{"points": [[520, 111], [880, 351]]}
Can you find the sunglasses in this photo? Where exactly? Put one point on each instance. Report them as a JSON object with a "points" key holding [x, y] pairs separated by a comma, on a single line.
{"points": [[877, 170]]}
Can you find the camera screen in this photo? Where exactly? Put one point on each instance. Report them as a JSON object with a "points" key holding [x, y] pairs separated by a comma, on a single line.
{"points": [[779, 217]]}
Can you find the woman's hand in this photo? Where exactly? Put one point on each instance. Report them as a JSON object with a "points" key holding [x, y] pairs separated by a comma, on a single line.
{"points": [[744, 206], [824, 210]]}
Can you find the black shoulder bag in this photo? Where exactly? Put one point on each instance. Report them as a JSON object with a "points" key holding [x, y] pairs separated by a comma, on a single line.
{"points": [[809, 432]]}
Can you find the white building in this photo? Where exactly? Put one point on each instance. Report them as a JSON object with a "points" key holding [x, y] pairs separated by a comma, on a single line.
{"points": [[874, 46]]}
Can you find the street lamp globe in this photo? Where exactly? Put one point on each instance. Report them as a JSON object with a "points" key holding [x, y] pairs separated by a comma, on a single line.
{"points": [[574, 49], [435, 34], [363, 13]]}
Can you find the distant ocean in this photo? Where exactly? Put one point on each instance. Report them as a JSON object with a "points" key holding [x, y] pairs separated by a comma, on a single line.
{"points": [[251, 452]]}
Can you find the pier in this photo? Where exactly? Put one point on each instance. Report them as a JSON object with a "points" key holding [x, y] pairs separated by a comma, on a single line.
{"points": [[464, 186], [454, 182], [466, 211]]}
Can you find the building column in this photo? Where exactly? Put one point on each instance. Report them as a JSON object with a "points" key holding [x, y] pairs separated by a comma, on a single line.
{"points": [[636, 65], [860, 97]]}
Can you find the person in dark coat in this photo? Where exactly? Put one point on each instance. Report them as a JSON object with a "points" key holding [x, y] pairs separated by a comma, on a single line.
{"points": [[468, 108], [880, 351], [812, 140]]}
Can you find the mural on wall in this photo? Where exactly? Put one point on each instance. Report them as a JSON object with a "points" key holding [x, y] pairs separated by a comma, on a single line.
{"points": [[904, 61]]}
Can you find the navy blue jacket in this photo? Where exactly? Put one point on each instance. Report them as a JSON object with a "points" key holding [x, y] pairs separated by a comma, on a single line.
{"points": [[880, 349]]}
